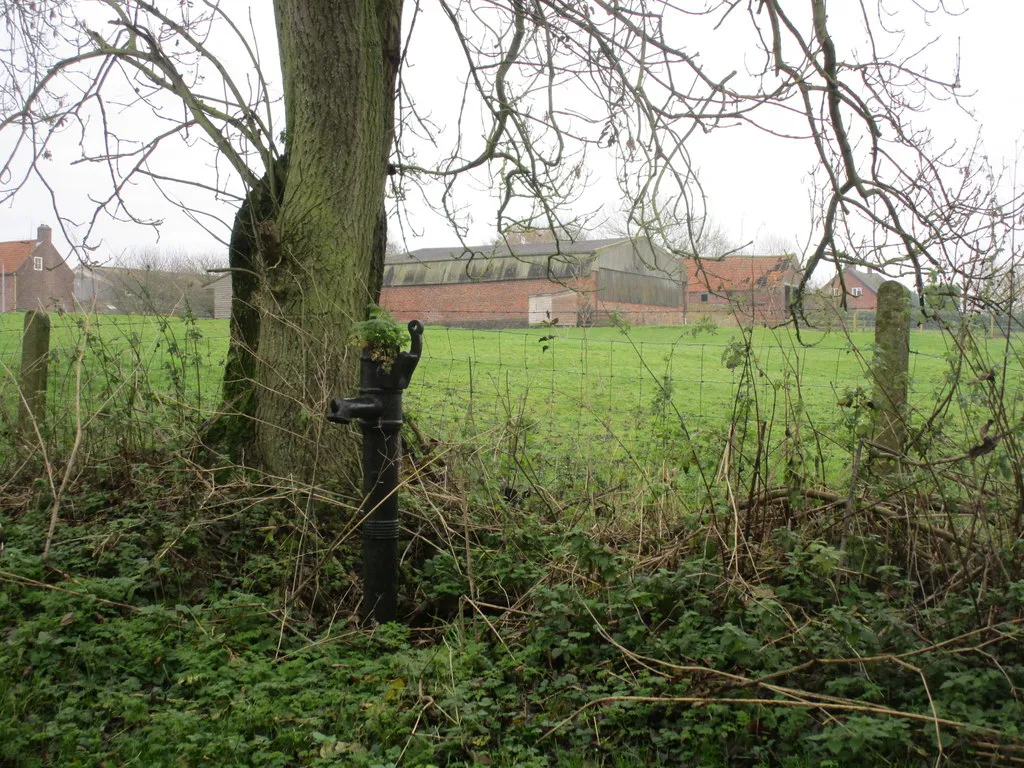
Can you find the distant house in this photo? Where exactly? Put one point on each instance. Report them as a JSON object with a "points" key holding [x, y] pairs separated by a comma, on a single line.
{"points": [[33, 275], [563, 283], [742, 289], [141, 291], [861, 288]]}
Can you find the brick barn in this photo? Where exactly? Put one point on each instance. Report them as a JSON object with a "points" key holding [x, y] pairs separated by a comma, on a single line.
{"points": [[742, 289], [567, 283], [33, 275]]}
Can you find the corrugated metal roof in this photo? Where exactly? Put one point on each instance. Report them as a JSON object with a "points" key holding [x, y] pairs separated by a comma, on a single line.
{"points": [[501, 249], [481, 269], [13, 254], [529, 261]]}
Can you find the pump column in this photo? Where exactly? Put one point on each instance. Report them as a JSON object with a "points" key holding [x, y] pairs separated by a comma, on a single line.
{"points": [[379, 412]]}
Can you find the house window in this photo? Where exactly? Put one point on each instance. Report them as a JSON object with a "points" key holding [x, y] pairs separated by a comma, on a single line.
{"points": [[704, 298], [836, 290], [856, 291], [37, 263]]}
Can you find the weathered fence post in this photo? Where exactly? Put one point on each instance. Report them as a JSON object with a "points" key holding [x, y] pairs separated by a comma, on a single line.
{"points": [[891, 366], [35, 349]]}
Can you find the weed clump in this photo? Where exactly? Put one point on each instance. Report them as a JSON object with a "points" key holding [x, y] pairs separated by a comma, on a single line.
{"points": [[380, 336]]}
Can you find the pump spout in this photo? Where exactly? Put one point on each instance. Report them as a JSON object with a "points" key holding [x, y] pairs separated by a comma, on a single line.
{"points": [[347, 409]]}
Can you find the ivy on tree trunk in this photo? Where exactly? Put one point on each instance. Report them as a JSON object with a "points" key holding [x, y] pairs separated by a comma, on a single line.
{"points": [[319, 257]]}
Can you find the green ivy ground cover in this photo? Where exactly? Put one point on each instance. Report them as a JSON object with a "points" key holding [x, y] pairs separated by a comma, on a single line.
{"points": [[156, 637]]}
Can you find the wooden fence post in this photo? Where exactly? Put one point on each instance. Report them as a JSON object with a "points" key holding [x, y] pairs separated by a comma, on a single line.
{"points": [[35, 349], [891, 366]]}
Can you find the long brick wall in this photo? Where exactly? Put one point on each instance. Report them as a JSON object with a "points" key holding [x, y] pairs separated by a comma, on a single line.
{"points": [[762, 306], [504, 304], [497, 304], [636, 314]]}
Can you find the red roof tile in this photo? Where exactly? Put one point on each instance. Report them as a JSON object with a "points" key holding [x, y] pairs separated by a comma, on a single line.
{"points": [[734, 273], [13, 253]]}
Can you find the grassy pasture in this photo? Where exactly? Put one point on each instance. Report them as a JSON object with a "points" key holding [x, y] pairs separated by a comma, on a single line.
{"points": [[156, 373], [636, 403], [630, 400]]}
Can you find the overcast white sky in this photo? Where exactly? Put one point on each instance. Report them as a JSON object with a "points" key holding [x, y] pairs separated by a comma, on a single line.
{"points": [[757, 185]]}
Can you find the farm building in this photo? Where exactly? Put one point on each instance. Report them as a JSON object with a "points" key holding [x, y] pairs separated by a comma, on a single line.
{"points": [[861, 288], [562, 283], [742, 289], [141, 291], [33, 275]]}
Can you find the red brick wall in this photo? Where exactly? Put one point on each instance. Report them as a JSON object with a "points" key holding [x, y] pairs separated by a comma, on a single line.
{"points": [[482, 304], [507, 304], [638, 314], [769, 307]]}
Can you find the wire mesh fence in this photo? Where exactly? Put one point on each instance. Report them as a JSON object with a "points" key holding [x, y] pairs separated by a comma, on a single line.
{"points": [[118, 378], [649, 396], [627, 399]]}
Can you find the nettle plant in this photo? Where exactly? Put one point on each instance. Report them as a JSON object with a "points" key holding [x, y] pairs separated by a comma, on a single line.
{"points": [[380, 336]]}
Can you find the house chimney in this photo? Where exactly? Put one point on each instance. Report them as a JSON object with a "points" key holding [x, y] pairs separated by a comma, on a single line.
{"points": [[43, 236]]}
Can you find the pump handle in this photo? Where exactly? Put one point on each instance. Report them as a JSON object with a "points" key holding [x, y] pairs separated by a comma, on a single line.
{"points": [[416, 335]]}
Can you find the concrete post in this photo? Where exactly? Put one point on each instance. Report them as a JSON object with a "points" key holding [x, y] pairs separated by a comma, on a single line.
{"points": [[891, 366], [35, 348]]}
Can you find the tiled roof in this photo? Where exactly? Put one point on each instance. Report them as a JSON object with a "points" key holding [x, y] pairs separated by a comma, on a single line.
{"points": [[871, 280], [734, 273], [500, 249], [128, 276], [13, 254]]}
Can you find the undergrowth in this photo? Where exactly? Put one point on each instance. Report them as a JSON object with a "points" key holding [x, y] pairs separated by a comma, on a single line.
{"points": [[177, 626]]}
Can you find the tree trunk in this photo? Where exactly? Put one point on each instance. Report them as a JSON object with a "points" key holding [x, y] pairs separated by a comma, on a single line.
{"points": [[322, 255], [234, 430]]}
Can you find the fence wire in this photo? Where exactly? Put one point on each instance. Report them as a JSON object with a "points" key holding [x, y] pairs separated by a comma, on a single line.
{"points": [[632, 399]]}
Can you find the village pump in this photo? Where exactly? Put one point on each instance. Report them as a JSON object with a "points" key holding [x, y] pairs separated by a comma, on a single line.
{"points": [[378, 410]]}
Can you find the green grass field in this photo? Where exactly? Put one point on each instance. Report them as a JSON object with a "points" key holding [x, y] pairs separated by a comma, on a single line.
{"points": [[598, 395], [656, 396]]}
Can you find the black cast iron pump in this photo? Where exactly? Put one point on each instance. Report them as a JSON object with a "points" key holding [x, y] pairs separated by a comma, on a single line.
{"points": [[379, 412]]}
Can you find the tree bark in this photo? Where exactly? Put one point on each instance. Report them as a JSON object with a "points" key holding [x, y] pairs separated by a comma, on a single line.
{"points": [[234, 429], [322, 254]]}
